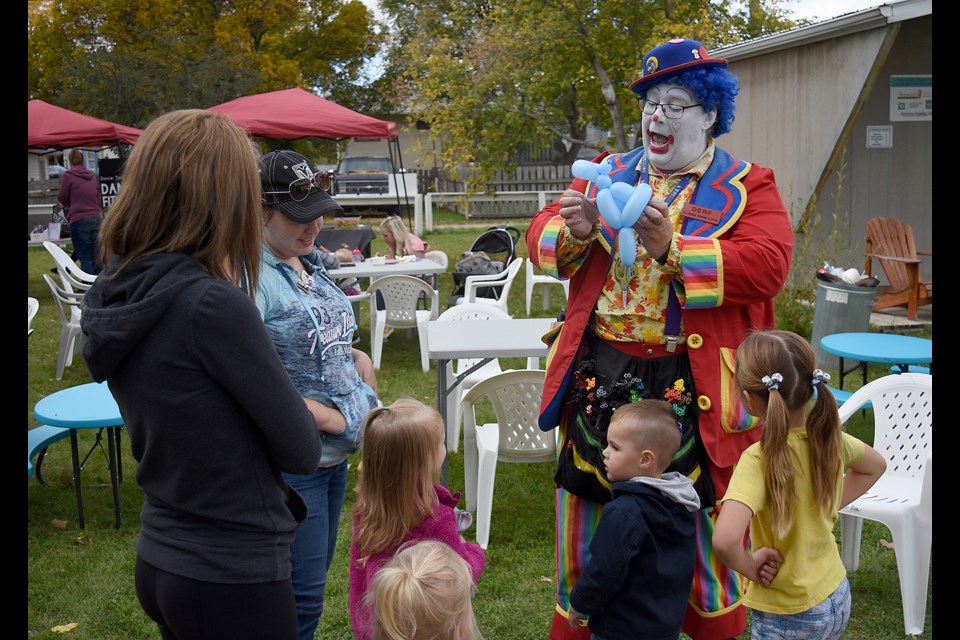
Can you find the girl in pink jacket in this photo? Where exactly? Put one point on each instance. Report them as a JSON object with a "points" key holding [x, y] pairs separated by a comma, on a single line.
{"points": [[399, 500]]}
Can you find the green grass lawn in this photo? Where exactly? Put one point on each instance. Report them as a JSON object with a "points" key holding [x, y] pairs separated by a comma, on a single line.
{"points": [[86, 576]]}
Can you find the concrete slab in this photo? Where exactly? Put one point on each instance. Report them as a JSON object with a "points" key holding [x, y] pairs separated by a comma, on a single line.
{"points": [[895, 320]]}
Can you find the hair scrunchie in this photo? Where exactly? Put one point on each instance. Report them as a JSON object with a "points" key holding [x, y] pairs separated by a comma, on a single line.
{"points": [[819, 375], [772, 382]]}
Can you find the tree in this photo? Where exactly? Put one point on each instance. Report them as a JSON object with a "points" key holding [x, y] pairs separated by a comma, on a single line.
{"points": [[490, 76], [131, 60]]}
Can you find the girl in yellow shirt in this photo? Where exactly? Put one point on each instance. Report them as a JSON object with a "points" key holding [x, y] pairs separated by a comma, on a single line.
{"points": [[788, 488]]}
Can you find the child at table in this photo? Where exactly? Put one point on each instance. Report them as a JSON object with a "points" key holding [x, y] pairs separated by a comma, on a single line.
{"points": [[642, 556], [425, 592], [787, 488], [400, 242], [398, 499]]}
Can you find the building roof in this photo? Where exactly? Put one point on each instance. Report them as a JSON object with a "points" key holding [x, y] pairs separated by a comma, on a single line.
{"points": [[848, 23]]}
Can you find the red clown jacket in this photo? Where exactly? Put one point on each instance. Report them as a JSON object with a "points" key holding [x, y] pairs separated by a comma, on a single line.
{"points": [[732, 270]]}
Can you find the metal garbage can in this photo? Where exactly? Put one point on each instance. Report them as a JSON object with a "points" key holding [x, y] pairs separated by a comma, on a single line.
{"points": [[839, 308]]}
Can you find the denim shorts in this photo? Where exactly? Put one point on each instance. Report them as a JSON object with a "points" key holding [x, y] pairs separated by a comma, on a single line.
{"points": [[825, 621]]}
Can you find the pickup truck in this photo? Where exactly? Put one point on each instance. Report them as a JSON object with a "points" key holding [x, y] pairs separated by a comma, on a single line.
{"points": [[364, 175]]}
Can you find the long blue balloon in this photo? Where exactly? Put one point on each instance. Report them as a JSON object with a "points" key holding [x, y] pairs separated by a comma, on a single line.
{"points": [[609, 209], [584, 169], [627, 240], [637, 202]]}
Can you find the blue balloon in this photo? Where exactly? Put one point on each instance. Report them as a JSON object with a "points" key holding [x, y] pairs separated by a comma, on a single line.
{"points": [[627, 240], [620, 204], [609, 209], [585, 170], [635, 205], [621, 192]]}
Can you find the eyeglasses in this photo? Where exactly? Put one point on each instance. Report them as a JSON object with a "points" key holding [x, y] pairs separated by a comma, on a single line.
{"points": [[672, 111], [300, 188]]}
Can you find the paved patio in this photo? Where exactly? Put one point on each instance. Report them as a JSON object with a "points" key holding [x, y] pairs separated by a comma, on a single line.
{"points": [[895, 320]]}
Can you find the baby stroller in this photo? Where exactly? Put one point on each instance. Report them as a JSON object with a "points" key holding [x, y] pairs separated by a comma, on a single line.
{"points": [[490, 253]]}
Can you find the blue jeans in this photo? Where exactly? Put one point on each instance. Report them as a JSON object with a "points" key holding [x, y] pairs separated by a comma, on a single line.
{"points": [[312, 551], [84, 235], [825, 621]]}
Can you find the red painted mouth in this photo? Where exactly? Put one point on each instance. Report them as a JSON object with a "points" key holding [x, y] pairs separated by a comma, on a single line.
{"points": [[659, 143]]}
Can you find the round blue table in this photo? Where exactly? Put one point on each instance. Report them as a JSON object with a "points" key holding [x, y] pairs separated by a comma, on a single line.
{"points": [[884, 348], [86, 406]]}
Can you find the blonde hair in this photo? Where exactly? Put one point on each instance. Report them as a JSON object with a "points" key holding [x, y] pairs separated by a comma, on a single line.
{"points": [[764, 353], [76, 158], [395, 490], [651, 424], [397, 229], [190, 186], [424, 593]]}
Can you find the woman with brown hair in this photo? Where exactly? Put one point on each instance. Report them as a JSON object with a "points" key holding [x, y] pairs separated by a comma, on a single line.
{"points": [[79, 197], [213, 417]]}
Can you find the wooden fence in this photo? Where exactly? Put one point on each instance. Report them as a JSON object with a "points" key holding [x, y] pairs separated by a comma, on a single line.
{"points": [[526, 178]]}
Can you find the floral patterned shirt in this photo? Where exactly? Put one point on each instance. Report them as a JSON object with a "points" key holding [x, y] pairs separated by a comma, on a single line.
{"points": [[644, 316]]}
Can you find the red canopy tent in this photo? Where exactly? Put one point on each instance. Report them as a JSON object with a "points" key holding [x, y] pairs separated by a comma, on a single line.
{"points": [[294, 113], [52, 127], [289, 114]]}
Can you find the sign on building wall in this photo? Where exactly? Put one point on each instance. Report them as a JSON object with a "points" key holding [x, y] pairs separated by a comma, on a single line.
{"points": [[880, 137], [911, 97]]}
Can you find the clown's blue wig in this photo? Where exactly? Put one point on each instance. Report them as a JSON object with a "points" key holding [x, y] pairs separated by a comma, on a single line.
{"points": [[714, 87]]}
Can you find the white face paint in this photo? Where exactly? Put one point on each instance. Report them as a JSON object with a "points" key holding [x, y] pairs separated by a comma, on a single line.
{"points": [[673, 144]]}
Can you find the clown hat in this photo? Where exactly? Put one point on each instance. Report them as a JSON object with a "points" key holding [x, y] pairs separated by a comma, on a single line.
{"points": [[671, 59]]}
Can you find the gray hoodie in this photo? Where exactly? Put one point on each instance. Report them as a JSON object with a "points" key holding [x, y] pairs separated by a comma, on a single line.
{"points": [[213, 418]]}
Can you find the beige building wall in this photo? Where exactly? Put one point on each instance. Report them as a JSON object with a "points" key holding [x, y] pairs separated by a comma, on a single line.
{"points": [[804, 111]]}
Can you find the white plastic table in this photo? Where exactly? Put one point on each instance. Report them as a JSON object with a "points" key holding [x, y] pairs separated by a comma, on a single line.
{"points": [[484, 340]]}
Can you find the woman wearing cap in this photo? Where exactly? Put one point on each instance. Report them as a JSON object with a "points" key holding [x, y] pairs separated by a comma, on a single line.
{"points": [[213, 417], [713, 249], [312, 325]]}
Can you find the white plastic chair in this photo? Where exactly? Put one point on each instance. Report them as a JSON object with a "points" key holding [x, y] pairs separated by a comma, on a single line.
{"points": [[514, 437], [472, 311], [33, 305], [902, 498], [70, 334], [437, 256], [542, 279], [504, 280], [400, 296], [440, 258], [72, 277]]}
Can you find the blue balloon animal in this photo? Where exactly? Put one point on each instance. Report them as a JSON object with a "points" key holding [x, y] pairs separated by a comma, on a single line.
{"points": [[620, 204]]}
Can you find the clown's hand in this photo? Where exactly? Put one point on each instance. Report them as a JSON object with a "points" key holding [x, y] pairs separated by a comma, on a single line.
{"points": [[655, 229], [579, 213]]}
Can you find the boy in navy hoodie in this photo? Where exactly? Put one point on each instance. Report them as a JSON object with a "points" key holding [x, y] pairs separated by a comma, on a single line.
{"points": [[637, 582]]}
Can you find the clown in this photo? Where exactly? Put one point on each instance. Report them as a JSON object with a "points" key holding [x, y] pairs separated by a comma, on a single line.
{"points": [[714, 246]]}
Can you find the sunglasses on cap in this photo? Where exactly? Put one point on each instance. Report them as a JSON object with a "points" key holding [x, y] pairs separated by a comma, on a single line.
{"points": [[302, 187]]}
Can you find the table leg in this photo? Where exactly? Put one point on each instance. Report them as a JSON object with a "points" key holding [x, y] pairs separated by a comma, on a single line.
{"points": [[113, 446], [75, 455], [442, 392], [119, 461], [442, 408]]}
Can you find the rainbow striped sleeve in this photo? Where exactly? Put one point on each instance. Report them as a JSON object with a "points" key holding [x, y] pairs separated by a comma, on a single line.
{"points": [[560, 253], [701, 264]]}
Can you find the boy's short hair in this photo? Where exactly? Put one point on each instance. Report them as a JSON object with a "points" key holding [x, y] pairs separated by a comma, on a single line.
{"points": [[653, 424]]}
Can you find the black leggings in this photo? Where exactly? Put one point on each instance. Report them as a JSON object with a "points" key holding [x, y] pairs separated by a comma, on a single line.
{"points": [[187, 609]]}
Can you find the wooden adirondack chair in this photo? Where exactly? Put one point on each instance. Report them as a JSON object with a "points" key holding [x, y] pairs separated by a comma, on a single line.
{"points": [[891, 242]]}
